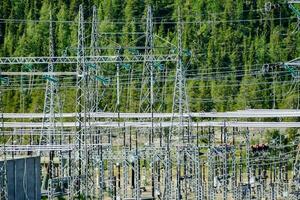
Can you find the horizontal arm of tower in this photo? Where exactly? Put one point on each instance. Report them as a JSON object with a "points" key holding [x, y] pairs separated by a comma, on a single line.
{"points": [[250, 113], [162, 124], [293, 1], [47, 147], [87, 59], [38, 73]]}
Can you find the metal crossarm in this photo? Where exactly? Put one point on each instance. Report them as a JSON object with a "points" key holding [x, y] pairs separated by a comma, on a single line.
{"points": [[87, 59], [34, 148], [236, 114]]}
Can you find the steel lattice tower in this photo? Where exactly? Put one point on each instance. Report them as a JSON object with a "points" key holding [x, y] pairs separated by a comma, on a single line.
{"points": [[94, 86], [180, 101], [147, 91], [79, 171], [51, 108], [147, 96], [3, 167], [179, 107], [93, 103], [147, 87]]}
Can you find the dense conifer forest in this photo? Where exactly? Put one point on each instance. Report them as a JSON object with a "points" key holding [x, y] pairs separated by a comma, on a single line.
{"points": [[235, 50]]}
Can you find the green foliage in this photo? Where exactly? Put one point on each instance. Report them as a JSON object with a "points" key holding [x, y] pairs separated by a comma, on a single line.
{"points": [[292, 134], [274, 138], [225, 51]]}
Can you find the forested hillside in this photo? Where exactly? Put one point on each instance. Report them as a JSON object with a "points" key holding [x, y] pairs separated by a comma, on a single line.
{"points": [[232, 46]]}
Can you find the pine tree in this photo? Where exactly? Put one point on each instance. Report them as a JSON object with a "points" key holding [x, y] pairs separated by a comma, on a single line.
{"points": [[62, 30]]}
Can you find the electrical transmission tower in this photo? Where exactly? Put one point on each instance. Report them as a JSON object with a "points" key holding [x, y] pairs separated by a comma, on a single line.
{"points": [[147, 87], [180, 107], [147, 95], [52, 107], [3, 156], [79, 169], [93, 106], [180, 100]]}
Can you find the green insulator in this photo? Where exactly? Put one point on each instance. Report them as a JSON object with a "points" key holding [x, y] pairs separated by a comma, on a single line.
{"points": [[291, 70], [187, 52], [91, 65], [133, 51], [50, 78], [103, 80], [159, 66], [126, 66], [4, 80], [173, 50]]}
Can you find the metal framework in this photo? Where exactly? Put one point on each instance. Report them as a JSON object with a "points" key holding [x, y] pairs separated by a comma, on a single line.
{"points": [[151, 154], [162, 124], [180, 102], [86, 59], [3, 152], [236, 114]]}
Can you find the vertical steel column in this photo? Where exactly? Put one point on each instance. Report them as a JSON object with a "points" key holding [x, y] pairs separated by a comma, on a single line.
{"points": [[80, 152], [51, 108], [180, 102], [234, 177], [211, 164], [225, 172], [248, 166], [3, 158]]}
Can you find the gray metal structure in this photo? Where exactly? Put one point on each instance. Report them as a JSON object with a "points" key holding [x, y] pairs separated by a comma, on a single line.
{"points": [[151, 154], [3, 154]]}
